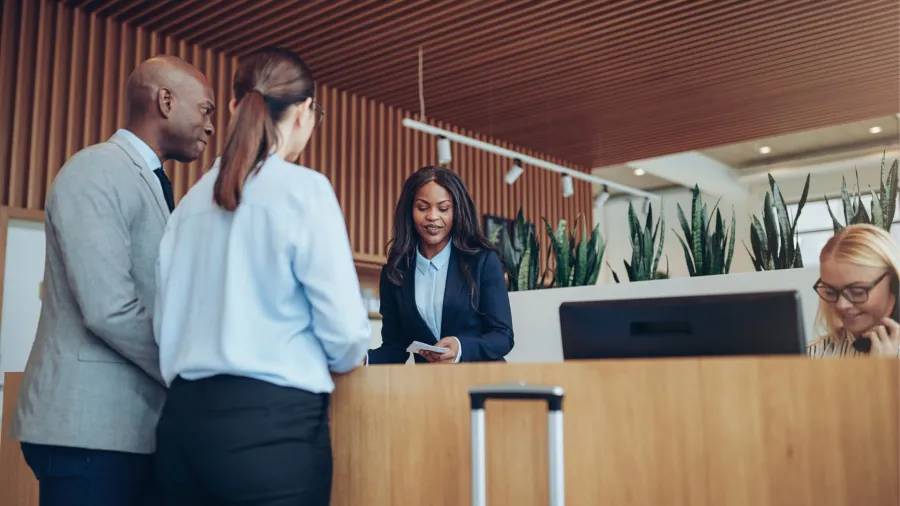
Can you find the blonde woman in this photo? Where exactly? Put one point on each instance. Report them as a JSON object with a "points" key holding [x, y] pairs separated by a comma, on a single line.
{"points": [[859, 270]]}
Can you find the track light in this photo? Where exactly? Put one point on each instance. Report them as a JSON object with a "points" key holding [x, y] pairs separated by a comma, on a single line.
{"points": [[568, 186], [601, 197], [444, 156], [514, 172]]}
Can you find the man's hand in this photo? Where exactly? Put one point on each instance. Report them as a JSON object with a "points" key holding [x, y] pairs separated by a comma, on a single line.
{"points": [[449, 357]]}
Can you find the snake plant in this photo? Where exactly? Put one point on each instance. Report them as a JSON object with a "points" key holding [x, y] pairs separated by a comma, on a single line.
{"points": [[578, 262], [774, 239], [522, 267], [708, 253], [644, 263], [884, 202]]}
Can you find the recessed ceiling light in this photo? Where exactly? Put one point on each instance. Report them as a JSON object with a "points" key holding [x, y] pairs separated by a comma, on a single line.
{"points": [[639, 172], [875, 130], [765, 150]]}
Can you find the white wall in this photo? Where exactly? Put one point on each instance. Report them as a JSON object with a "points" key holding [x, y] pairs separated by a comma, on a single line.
{"points": [[22, 276], [536, 313]]}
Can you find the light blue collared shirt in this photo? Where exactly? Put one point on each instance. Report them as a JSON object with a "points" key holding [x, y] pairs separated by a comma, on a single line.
{"points": [[431, 281], [268, 291], [142, 148]]}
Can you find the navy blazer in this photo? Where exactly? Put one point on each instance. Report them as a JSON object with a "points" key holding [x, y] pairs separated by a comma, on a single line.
{"points": [[485, 334]]}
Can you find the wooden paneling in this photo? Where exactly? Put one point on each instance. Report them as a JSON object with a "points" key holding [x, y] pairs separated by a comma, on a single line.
{"points": [[17, 484], [596, 83], [66, 69], [708, 432], [680, 432]]}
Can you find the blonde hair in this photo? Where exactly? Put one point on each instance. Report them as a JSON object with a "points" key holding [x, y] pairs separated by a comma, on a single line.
{"points": [[862, 244]]}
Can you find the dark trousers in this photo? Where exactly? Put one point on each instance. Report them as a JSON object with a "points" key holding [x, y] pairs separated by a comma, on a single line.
{"points": [[236, 441], [80, 477]]}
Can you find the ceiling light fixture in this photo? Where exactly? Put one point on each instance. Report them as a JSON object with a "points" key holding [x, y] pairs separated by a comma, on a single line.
{"points": [[568, 186], [530, 160], [639, 172], [875, 130], [443, 146], [514, 172], [765, 150], [601, 197]]}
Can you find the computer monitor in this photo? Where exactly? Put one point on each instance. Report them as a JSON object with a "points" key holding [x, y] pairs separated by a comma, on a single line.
{"points": [[769, 323]]}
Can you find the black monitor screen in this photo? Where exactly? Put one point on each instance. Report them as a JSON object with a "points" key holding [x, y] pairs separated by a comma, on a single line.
{"points": [[769, 323]]}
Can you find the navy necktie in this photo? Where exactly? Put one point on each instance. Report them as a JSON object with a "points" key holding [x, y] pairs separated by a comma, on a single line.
{"points": [[166, 187]]}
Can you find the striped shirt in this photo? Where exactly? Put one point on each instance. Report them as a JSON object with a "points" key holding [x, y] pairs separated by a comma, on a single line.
{"points": [[828, 346]]}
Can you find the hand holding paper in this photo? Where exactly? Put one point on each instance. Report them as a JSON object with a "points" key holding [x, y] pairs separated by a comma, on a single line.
{"points": [[418, 346]]}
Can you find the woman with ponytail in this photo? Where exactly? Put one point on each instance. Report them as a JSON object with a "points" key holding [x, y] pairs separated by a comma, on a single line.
{"points": [[258, 303]]}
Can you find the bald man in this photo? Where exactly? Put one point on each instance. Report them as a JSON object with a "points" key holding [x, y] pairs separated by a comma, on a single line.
{"points": [[92, 393]]}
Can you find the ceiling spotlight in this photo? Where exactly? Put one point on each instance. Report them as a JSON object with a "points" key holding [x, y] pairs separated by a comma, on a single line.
{"points": [[602, 197], [514, 172], [639, 172], [765, 150], [443, 145], [568, 186], [875, 130]]}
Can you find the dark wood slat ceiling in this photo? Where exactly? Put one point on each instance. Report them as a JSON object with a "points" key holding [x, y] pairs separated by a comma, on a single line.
{"points": [[596, 83]]}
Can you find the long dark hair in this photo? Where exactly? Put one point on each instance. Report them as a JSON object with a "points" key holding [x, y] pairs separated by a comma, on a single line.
{"points": [[466, 235], [266, 83]]}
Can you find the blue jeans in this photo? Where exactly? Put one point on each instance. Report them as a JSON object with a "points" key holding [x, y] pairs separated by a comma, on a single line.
{"points": [[80, 477]]}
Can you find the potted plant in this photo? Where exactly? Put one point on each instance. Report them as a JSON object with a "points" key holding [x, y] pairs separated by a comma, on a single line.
{"points": [[644, 262], [883, 206], [774, 239], [708, 253], [577, 261]]}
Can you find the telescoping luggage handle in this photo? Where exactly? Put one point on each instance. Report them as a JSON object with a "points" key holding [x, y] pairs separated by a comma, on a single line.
{"points": [[553, 395]]}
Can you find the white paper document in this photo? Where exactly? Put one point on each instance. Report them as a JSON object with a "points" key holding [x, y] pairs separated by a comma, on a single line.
{"points": [[418, 346]]}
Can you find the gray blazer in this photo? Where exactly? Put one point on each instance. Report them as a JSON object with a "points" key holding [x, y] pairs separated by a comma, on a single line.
{"points": [[92, 379]]}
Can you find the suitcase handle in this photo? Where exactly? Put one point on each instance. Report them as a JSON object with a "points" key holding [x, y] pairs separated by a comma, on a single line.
{"points": [[518, 390], [553, 396]]}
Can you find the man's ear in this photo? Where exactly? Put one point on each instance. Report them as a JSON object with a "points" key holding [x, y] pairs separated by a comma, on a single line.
{"points": [[166, 102], [232, 105]]}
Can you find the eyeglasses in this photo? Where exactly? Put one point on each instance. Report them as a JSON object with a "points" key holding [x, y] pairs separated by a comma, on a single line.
{"points": [[320, 112], [854, 293]]}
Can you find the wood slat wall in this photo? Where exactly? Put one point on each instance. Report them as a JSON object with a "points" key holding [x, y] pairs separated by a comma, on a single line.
{"points": [[63, 71]]}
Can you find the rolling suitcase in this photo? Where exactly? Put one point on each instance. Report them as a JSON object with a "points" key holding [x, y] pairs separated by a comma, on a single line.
{"points": [[553, 396]]}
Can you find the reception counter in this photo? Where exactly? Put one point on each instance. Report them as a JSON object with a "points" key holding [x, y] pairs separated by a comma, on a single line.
{"points": [[687, 432]]}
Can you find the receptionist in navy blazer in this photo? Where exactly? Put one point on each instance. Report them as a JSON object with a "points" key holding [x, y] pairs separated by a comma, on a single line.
{"points": [[443, 283]]}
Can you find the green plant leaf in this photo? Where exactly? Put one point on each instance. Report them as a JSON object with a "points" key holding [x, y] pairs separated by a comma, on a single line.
{"points": [[837, 225], [697, 238], [687, 256], [730, 254], [772, 232], [660, 225], [893, 185], [849, 211]]}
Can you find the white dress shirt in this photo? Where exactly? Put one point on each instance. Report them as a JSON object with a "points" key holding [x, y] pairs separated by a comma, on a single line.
{"points": [[143, 149], [268, 291]]}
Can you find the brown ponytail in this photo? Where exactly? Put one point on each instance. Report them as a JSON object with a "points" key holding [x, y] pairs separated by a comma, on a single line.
{"points": [[266, 83], [251, 135]]}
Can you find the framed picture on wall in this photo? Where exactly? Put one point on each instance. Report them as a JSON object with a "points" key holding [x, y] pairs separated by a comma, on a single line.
{"points": [[494, 226]]}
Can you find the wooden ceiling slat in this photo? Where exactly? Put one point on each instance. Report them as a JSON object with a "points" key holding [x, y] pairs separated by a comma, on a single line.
{"points": [[468, 50], [301, 31], [745, 69], [589, 82], [687, 63], [628, 55], [267, 25], [179, 14], [225, 15], [485, 26], [138, 10]]}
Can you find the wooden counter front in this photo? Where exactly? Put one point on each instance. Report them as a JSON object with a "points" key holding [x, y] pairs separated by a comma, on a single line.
{"points": [[689, 432]]}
